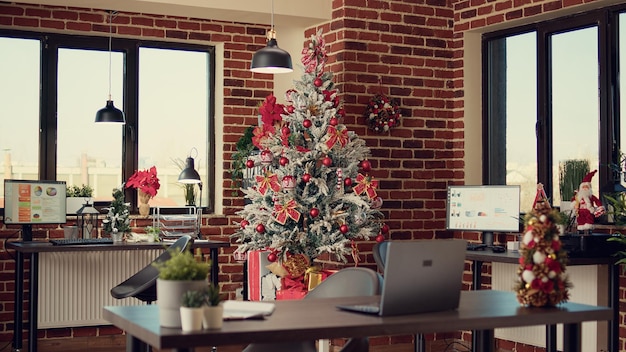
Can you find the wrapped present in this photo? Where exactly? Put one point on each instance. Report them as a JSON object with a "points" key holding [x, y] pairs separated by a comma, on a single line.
{"points": [[291, 289], [314, 276], [262, 283]]}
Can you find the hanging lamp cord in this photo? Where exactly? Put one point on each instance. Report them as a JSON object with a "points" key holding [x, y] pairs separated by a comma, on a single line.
{"points": [[110, 39]]}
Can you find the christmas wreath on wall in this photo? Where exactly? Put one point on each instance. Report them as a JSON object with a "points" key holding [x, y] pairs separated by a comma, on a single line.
{"points": [[382, 113]]}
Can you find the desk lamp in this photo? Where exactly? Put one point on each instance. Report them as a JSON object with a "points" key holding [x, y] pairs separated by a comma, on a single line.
{"points": [[189, 175]]}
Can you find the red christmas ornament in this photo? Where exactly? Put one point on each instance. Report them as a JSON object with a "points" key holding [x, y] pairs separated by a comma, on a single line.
{"points": [[347, 182], [341, 112], [327, 161], [344, 228], [249, 163], [260, 228], [306, 177], [244, 223], [286, 130], [314, 212], [318, 82], [334, 121], [384, 229], [291, 109], [307, 123], [366, 165], [266, 157], [283, 161], [289, 182], [380, 238], [272, 257]]}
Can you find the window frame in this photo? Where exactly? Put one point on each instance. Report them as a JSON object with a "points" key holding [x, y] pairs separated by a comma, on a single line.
{"points": [[606, 20], [129, 47]]}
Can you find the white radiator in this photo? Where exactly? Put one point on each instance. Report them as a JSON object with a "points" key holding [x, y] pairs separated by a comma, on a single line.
{"points": [[74, 286], [590, 286]]}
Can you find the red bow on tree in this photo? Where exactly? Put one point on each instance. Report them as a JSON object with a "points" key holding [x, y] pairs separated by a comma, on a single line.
{"points": [[337, 136], [285, 211], [366, 184], [267, 181]]}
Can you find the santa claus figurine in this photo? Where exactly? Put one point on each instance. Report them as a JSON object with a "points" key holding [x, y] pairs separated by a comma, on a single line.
{"points": [[587, 206]]}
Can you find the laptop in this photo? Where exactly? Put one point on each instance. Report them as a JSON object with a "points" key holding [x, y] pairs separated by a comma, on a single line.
{"points": [[420, 276]]}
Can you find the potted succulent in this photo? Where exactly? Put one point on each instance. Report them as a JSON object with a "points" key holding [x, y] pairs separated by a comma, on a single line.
{"points": [[77, 196], [177, 275], [192, 310], [213, 310], [154, 233]]}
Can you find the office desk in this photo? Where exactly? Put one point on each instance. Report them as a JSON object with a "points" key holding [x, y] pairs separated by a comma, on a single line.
{"points": [[320, 319], [511, 257], [32, 250]]}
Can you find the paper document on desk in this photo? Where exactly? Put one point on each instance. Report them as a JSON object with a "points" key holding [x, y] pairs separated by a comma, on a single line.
{"points": [[238, 310]]}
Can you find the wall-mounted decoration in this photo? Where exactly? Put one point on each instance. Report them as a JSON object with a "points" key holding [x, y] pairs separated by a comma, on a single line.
{"points": [[382, 113]]}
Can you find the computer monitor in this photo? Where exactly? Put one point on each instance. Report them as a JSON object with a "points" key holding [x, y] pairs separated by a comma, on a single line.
{"points": [[486, 209], [28, 202]]}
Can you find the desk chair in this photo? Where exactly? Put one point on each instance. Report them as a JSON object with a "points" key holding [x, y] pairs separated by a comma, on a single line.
{"points": [[348, 282], [142, 285], [380, 257]]}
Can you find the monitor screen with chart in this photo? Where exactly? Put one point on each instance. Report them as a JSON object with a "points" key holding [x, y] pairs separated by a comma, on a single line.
{"points": [[487, 209]]}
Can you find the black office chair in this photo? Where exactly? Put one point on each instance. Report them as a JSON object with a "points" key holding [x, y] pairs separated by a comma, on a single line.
{"points": [[348, 282], [142, 285], [380, 257]]}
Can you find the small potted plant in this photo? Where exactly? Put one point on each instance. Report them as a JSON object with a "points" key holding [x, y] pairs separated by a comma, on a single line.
{"points": [[147, 184], [192, 310], [117, 220], [177, 275], [154, 233], [77, 196], [213, 310]]}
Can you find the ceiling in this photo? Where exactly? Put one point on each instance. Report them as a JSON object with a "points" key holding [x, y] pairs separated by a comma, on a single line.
{"points": [[297, 13]]}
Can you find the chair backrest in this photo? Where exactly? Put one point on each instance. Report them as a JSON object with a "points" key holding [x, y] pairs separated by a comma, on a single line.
{"points": [[348, 282], [380, 255], [146, 277]]}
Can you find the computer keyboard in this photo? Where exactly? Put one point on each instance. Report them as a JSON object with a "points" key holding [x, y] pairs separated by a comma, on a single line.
{"points": [[80, 241]]}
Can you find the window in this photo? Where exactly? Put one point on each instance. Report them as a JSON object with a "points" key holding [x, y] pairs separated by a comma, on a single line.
{"points": [[548, 98], [165, 90]]}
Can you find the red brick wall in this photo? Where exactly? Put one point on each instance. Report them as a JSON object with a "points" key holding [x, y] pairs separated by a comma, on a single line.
{"points": [[409, 50]]}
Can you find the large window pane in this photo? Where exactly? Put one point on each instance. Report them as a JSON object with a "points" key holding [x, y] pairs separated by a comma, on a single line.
{"points": [[622, 90], [521, 115], [575, 101], [173, 117], [89, 153], [19, 99]]}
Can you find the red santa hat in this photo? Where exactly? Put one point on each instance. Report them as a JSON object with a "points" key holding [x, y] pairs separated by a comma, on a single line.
{"points": [[589, 176]]}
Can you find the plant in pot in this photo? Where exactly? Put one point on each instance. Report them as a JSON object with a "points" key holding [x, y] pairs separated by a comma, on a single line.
{"points": [[177, 275], [117, 219], [192, 310], [77, 196], [213, 310]]}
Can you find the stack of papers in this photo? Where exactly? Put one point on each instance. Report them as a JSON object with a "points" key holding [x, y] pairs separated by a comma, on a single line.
{"points": [[237, 310]]}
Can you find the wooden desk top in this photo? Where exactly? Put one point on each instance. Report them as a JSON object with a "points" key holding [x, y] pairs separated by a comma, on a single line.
{"points": [[320, 319], [45, 246], [487, 255]]}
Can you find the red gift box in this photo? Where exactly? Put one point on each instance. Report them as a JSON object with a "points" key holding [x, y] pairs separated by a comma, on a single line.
{"points": [[291, 293], [260, 285]]}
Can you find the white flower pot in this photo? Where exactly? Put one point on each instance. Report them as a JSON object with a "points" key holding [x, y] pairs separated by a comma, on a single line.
{"points": [[169, 294], [191, 318], [213, 317]]}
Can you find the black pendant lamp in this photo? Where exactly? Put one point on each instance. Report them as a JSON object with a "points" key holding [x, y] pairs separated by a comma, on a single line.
{"points": [[271, 59], [110, 114]]}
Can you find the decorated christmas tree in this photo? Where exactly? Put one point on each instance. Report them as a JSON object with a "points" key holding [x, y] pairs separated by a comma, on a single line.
{"points": [[315, 194], [542, 280]]}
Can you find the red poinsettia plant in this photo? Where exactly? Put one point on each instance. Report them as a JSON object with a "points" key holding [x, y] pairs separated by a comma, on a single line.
{"points": [[145, 181], [271, 118]]}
